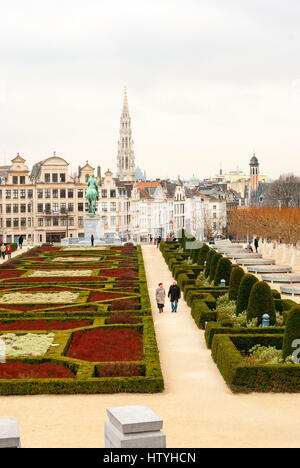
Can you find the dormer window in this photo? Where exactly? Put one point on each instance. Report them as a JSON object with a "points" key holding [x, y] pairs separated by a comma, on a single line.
{"points": [[15, 180]]}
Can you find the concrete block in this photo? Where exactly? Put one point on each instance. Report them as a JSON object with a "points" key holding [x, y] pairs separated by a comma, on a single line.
{"points": [[116, 439], [129, 419], [9, 434]]}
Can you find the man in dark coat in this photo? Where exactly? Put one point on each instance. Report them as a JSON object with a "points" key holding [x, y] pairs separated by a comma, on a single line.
{"points": [[256, 244], [174, 295]]}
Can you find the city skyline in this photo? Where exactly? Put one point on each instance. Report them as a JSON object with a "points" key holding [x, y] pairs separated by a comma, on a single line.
{"points": [[207, 84]]}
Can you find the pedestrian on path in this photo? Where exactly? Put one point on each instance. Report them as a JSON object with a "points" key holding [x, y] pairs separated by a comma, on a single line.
{"points": [[3, 249], [20, 241], [8, 251], [158, 241], [160, 295], [256, 244], [174, 294], [92, 240]]}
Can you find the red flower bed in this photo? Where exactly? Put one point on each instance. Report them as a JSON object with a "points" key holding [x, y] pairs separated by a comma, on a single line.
{"points": [[119, 272], [64, 279], [107, 345], [10, 273], [122, 317], [45, 370], [100, 296], [44, 324], [118, 369], [125, 284], [125, 304], [28, 308]]}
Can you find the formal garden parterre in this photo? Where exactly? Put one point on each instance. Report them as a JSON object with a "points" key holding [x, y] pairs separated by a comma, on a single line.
{"points": [[77, 321], [250, 356]]}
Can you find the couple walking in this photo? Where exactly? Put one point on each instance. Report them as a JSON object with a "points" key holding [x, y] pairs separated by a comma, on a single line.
{"points": [[173, 294]]}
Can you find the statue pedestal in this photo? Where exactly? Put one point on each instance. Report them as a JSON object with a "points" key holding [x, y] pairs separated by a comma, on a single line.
{"points": [[93, 225]]}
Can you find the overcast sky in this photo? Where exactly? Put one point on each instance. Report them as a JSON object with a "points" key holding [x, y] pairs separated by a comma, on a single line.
{"points": [[208, 82]]}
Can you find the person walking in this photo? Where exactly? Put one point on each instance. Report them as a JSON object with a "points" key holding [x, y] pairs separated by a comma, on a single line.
{"points": [[158, 241], [8, 251], [160, 295], [20, 241], [92, 240], [3, 249], [256, 244], [174, 295]]}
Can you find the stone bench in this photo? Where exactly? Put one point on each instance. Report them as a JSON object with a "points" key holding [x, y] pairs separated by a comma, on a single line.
{"points": [[243, 255], [249, 261], [269, 269], [294, 291], [9, 434], [133, 427], [281, 278]]}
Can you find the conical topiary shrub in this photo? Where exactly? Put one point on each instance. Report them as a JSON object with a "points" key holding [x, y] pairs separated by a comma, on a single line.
{"points": [[246, 284], [236, 276], [213, 265], [292, 332], [202, 255], [223, 271], [194, 256], [261, 302], [209, 257]]}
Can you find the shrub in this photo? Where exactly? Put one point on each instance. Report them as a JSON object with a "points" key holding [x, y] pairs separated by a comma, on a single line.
{"points": [[124, 304], [202, 254], [246, 284], [223, 271], [195, 254], [292, 331], [276, 294], [122, 317], [236, 276], [119, 370], [213, 265], [261, 302]]}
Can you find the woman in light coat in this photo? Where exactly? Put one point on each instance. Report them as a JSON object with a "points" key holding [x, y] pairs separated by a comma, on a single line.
{"points": [[160, 296]]}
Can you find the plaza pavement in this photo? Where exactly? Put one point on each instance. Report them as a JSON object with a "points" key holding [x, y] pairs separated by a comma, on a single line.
{"points": [[197, 407]]}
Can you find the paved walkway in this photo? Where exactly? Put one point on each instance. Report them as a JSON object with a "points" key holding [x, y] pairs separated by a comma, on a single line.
{"points": [[197, 407]]}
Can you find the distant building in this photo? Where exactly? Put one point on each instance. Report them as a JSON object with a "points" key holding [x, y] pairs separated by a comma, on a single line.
{"points": [[125, 159]]}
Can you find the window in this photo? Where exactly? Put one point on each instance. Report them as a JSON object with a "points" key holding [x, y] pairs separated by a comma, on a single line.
{"points": [[113, 206], [214, 207], [48, 208], [29, 222], [8, 222], [62, 177], [55, 206], [70, 206], [54, 178], [80, 220], [62, 193], [15, 208], [23, 208], [15, 194], [16, 222], [214, 215], [0, 194], [104, 193], [40, 222], [8, 208], [22, 193], [22, 179], [80, 193], [8, 238], [15, 180], [7, 194], [87, 178], [71, 221], [104, 206], [104, 220], [29, 207], [40, 193], [63, 207], [55, 221], [112, 194], [47, 193], [86, 206], [40, 208], [112, 220], [23, 222], [55, 193], [70, 193], [30, 193], [48, 222], [47, 178], [80, 206], [63, 221]]}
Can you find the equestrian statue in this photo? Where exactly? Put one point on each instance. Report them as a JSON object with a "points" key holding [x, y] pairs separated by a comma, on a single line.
{"points": [[92, 194]]}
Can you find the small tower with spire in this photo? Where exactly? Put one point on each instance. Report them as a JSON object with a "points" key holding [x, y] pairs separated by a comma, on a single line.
{"points": [[254, 173], [125, 163]]}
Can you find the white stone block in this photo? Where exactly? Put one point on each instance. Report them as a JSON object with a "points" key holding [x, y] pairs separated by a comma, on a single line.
{"points": [[9, 434], [93, 225], [128, 419], [116, 439]]}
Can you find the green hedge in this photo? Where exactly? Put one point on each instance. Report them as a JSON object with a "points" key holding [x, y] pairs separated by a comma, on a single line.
{"points": [[236, 276], [201, 313], [203, 251], [243, 377], [246, 285], [261, 302], [292, 332], [213, 266], [223, 271]]}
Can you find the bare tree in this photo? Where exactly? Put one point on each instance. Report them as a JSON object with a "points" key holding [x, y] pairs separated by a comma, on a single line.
{"points": [[284, 192]]}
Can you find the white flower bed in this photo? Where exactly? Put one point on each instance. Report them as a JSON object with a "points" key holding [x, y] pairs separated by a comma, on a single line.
{"points": [[59, 273], [76, 259], [39, 298], [30, 344]]}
